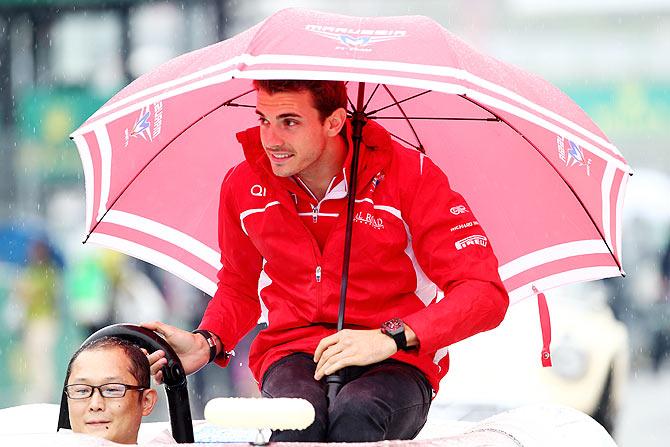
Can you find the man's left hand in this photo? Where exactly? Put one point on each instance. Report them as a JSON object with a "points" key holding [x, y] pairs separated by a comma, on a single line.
{"points": [[352, 347]]}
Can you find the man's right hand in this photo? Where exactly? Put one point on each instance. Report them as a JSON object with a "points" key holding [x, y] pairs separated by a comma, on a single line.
{"points": [[192, 349]]}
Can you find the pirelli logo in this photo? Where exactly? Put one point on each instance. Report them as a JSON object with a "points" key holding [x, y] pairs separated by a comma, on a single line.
{"points": [[471, 240]]}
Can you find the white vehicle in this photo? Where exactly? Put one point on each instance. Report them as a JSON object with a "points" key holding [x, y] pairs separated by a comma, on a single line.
{"points": [[589, 351], [243, 420]]}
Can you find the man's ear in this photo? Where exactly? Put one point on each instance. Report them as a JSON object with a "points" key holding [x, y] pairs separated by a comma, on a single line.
{"points": [[335, 122], [149, 399]]}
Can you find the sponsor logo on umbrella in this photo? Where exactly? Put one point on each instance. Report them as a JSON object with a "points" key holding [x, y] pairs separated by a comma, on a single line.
{"points": [[355, 39], [471, 240], [572, 155], [143, 124]]}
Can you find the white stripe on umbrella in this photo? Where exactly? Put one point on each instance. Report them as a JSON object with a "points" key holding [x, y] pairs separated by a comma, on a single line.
{"points": [[619, 213], [606, 189], [444, 88], [561, 279], [433, 70], [87, 163], [106, 167], [166, 233], [156, 258], [195, 76], [154, 99], [377, 79], [550, 254]]}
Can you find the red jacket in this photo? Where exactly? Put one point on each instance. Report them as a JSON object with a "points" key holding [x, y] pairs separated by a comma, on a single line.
{"points": [[412, 235]]}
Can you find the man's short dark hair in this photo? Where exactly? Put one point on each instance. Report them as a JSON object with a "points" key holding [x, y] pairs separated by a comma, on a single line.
{"points": [[327, 96], [139, 363]]}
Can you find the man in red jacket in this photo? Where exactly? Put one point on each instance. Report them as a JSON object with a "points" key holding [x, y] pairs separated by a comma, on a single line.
{"points": [[281, 232]]}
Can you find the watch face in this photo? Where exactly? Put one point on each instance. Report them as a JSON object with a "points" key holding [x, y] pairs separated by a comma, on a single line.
{"points": [[393, 326]]}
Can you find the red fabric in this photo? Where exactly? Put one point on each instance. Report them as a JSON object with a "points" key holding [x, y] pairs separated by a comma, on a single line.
{"points": [[320, 216], [545, 324], [399, 191]]}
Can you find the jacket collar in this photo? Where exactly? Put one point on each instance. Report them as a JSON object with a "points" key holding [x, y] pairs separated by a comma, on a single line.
{"points": [[374, 156]]}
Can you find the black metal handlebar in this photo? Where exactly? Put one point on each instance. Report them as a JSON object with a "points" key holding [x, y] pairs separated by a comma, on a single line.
{"points": [[174, 378]]}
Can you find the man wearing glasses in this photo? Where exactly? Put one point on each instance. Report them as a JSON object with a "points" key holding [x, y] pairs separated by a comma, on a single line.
{"points": [[108, 390]]}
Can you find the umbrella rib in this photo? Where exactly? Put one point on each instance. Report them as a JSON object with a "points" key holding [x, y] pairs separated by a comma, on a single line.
{"points": [[227, 103], [398, 102], [234, 104], [445, 118], [353, 107], [409, 123], [555, 170], [370, 98], [406, 142]]}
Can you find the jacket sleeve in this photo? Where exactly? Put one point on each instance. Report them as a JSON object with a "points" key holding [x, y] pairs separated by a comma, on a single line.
{"points": [[454, 252], [235, 307]]}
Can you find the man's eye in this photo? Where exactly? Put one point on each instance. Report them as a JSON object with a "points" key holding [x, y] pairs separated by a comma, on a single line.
{"points": [[78, 391], [290, 123], [262, 120], [114, 388]]}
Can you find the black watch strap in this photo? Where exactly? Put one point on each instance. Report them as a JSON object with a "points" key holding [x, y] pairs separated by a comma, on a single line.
{"points": [[400, 341], [210, 341]]}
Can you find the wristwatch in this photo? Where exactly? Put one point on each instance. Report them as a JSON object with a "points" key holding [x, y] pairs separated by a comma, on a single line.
{"points": [[395, 328], [211, 342]]}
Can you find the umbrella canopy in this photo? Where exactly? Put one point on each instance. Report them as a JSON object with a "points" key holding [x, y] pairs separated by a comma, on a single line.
{"points": [[543, 180]]}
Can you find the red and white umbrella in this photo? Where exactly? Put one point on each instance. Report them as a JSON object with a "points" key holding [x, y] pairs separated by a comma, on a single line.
{"points": [[544, 181]]}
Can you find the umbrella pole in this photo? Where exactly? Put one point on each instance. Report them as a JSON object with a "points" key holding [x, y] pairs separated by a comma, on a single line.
{"points": [[336, 380]]}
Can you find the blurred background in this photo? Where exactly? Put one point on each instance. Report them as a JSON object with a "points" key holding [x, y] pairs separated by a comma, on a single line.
{"points": [[60, 60]]}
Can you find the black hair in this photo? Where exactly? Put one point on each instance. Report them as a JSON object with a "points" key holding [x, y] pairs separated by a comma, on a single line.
{"points": [[327, 96], [139, 364]]}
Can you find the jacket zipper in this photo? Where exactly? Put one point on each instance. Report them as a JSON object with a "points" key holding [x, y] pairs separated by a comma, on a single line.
{"points": [[315, 212], [318, 273]]}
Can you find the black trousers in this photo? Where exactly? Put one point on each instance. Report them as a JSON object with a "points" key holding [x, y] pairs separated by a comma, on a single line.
{"points": [[386, 400]]}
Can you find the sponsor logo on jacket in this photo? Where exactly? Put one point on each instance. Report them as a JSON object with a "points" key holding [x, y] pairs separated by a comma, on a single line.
{"points": [[369, 219], [474, 223], [375, 181], [477, 239], [459, 209], [258, 191]]}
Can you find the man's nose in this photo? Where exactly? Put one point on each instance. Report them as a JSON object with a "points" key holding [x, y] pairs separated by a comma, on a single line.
{"points": [[270, 137], [96, 401]]}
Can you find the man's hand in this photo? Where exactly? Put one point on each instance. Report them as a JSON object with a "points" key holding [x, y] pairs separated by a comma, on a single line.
{"points": [[352, 347], [192, 349]]}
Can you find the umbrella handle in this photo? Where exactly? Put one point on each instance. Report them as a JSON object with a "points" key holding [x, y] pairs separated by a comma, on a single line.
{"points": [[335, 381]]}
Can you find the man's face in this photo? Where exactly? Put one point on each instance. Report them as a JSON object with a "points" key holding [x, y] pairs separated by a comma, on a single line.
{"points": [[292, 133], [115, 419]]}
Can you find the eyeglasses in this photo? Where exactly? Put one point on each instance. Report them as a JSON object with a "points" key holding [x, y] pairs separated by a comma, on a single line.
{"points": [[112, 390]]}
